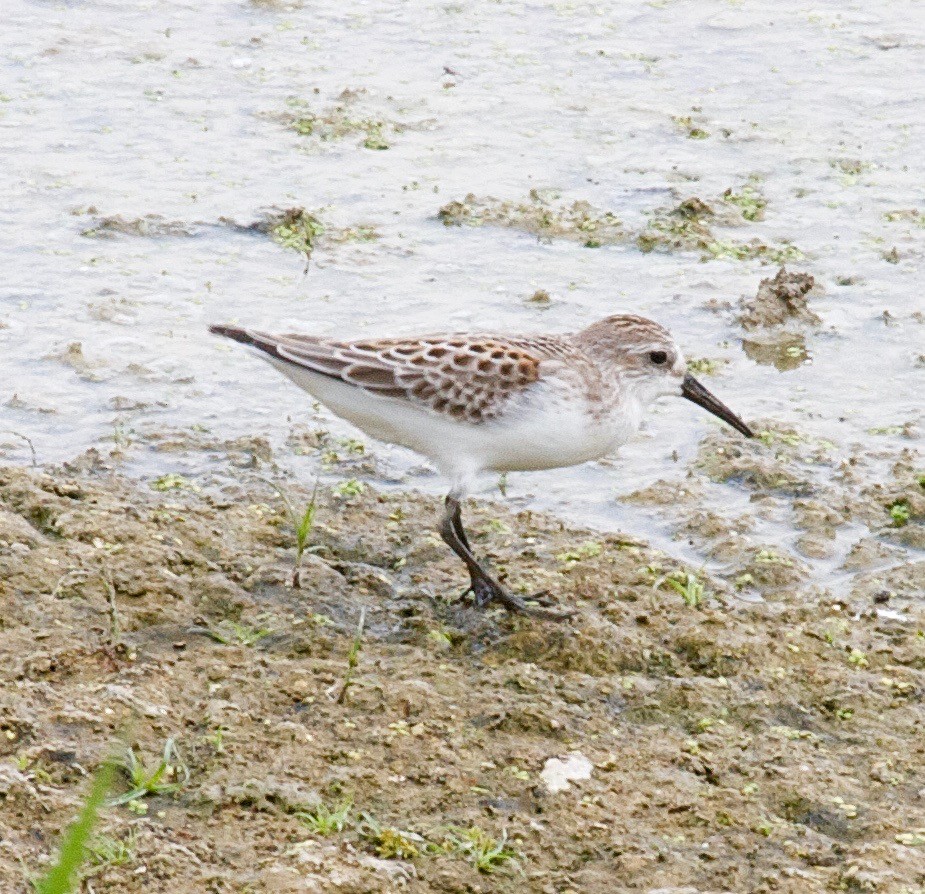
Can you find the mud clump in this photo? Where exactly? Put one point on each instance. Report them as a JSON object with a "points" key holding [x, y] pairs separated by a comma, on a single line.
{"points": [[768, 463], [780, 301], [149, 226], [683, 228], [897, 507], [686, 227], [73, 357], [543, 215], [689, 226], [772, 736], [296, 229]]}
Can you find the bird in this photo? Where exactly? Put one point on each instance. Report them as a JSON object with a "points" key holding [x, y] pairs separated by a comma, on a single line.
{"points": [[492, 402]]}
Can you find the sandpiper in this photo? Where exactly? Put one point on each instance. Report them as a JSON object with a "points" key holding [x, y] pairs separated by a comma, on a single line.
{"points": [[492, 402]]}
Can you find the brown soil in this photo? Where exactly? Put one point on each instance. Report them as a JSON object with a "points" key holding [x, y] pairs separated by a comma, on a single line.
{"points": [[735, 746]]}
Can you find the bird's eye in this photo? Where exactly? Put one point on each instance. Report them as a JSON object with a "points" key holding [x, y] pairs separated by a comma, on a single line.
{"points": [[658, 357]]}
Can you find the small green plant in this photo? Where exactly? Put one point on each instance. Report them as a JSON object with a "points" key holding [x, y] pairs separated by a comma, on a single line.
{"points": [[588, 550], [107, 850], [770, 557], [389, 841], [900, 513], [217, 738], [171, 481], [359, 233], [375, 140], [302, 532], [324, 820], [353, 657], [487, 854], [349, 488], [304, 126], [303, 525], [770, 437], [685, 123], [63, 875], [169, 776], [441, 637], [234, 633], [688, 585], [910, 215], [730, 250], [335, 123]]}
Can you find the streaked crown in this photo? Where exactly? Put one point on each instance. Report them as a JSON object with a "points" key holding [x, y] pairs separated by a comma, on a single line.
{"points": [[634, 347]]}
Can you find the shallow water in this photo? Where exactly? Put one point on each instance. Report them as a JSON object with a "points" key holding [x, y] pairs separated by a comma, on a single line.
{"points": [[167, 108]]}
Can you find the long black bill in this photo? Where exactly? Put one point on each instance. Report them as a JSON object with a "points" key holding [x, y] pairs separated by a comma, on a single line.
{"points": [[694, 391]]}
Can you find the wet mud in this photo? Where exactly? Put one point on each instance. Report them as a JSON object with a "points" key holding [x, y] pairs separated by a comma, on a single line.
{"points": [[736, 704], [734, 743]]}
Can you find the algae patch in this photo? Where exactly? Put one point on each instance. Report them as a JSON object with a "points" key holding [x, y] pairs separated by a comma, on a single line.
{"points": [[302, 231], [295, 229], [686, 227], [749, 200], [354, 114]]}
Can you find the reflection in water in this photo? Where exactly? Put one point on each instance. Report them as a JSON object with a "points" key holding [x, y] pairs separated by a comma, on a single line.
{"points": [[785, 351]]}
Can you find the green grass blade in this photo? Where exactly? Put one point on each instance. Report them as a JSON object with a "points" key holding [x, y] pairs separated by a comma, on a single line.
{"points": [[61, 878]]}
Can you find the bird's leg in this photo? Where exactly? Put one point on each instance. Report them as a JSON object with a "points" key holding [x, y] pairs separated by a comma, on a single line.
{"points": [[458, 525], [483, 586]]}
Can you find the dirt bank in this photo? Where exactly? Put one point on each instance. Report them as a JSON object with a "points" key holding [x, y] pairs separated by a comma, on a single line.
{"points": [[732, 745]]}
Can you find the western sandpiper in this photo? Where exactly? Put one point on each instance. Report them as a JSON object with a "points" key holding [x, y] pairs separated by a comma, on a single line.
{"points": [[492, 402]]}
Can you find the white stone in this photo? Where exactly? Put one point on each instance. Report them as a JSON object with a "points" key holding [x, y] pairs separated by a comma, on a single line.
{"points": [[559, 772]]}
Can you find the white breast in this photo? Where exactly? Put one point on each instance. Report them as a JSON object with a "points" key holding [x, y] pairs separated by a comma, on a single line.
{"points": [[547, 426]]}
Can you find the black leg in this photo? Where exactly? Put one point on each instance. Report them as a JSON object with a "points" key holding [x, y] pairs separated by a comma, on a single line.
{"points": [[454, 535], [458, 525], [483, 586]]}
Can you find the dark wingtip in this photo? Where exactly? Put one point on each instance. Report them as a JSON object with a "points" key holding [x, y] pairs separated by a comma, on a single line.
{"points": [[247, 337], [235, 332]]}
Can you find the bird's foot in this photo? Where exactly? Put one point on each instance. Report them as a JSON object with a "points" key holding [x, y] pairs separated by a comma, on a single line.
{"points": [[485, 590]]}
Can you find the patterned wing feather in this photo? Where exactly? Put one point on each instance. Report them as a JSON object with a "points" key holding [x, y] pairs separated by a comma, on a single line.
{"points": [[467, 377]]}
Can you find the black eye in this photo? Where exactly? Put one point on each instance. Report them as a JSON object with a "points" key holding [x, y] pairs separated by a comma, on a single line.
{"points": [[658, 357]]}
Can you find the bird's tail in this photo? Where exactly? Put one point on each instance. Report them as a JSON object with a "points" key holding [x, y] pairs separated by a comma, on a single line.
{"points": [[249, 337]]}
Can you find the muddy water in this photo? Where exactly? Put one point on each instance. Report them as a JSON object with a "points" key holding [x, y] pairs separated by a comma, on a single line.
{"points": [[179, 110]]}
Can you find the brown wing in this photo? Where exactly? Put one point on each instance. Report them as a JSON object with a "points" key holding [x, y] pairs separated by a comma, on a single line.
{"points": [[466, 377]]}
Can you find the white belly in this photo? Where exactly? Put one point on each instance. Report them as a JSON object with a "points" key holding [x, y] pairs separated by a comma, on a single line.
{"points": [[541, 429]]}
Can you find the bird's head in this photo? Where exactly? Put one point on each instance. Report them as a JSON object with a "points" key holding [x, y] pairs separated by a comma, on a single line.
{"points": [[649, 363]]}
